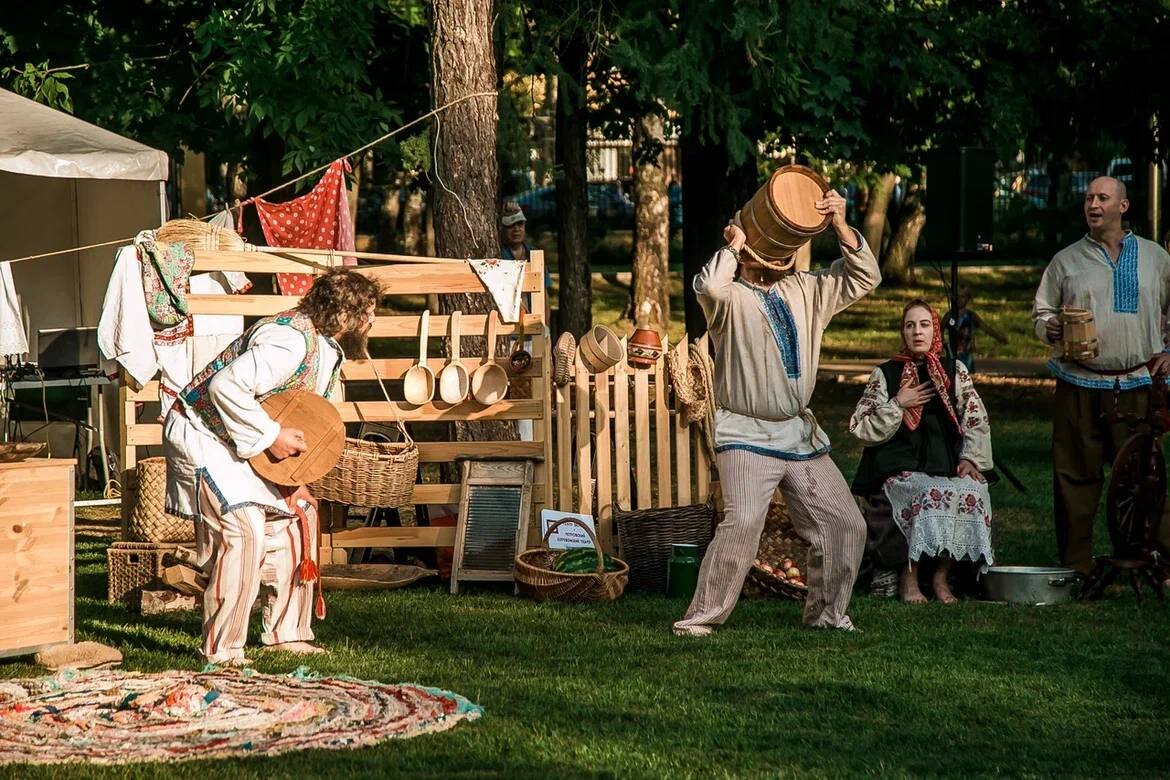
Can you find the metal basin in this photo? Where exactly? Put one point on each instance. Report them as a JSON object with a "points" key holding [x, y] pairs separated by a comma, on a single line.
{"points": [[1036, 585]]}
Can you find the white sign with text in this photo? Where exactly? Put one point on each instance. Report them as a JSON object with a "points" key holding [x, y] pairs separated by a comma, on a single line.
{"points": [[568, 536]]}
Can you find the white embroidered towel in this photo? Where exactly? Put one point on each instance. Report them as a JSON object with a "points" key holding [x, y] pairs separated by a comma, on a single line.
{"points": [[504, 280]]}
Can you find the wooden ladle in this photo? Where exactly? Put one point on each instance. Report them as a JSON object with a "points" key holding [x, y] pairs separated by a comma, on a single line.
{"points": [[418, 386], [454, 380], [489, 383]]}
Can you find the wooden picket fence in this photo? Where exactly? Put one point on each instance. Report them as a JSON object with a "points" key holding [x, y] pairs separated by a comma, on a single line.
{"points": [[620, 442]]}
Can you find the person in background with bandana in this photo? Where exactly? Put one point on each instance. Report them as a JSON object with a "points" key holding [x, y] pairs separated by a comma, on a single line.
{"points": [[928, 444], [514, 242]]}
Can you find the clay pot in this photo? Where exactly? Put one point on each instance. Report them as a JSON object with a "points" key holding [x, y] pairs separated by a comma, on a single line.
{"points": [[644, 348]]}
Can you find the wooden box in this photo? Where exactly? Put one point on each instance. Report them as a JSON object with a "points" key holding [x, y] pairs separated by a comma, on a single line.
{"points": [[36, 554]]}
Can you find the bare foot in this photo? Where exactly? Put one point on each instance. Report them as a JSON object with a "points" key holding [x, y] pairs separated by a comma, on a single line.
{"points": [[910, 592], [943, 592], [298, 648], [234, 663]]}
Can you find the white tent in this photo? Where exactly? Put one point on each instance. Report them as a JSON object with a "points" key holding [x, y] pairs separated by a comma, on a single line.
{"points": [[67, 183]]}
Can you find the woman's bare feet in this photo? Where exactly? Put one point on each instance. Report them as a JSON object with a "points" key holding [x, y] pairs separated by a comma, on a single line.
{"points": [[942, 588], [910, 592], [908, 587], [942, 591]]}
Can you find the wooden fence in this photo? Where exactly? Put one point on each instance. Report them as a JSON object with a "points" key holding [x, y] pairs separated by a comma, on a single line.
{"points": [[622, 443], [414, 277]]}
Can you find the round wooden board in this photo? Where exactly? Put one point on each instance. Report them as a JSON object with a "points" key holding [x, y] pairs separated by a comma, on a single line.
{"points": [[371, 576], [324, 435]]}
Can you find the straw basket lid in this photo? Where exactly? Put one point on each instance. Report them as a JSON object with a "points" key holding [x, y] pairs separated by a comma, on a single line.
{"points": [[199, 234], [324, 438], [793, 191]]}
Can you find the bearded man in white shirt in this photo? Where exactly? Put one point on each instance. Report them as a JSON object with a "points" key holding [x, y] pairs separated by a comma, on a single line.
{"points": [[249, 532]]}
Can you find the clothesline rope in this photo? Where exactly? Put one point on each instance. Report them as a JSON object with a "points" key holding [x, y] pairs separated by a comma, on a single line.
{"points": [[277, 188]]}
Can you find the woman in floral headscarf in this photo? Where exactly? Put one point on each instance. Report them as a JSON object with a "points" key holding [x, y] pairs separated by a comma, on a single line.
{"points": [[928, 448]]}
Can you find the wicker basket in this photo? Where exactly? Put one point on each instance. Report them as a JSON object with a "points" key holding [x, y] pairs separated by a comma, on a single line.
{"points": [[132, 566], [779, 541], [149, 521], [536, 579], [371, 473], [645, 537]]}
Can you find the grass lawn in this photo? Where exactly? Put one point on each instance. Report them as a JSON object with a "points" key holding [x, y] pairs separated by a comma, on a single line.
{"points": [[1077, 690]]}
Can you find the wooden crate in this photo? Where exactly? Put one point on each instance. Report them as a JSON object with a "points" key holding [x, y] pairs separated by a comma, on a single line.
{"points": [[36, 555]]}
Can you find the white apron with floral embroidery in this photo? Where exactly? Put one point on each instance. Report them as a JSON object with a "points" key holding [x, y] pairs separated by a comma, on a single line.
{"points": [[943, 515]]}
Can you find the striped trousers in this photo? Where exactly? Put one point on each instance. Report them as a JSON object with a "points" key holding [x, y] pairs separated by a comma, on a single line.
{"points": [[824, 514], [243, 551]]}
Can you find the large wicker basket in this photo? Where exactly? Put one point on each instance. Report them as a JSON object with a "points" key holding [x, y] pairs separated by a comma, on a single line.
{"points": [[645, 537], [536, 579], [371, 473], [149, 520], [779, 541]]}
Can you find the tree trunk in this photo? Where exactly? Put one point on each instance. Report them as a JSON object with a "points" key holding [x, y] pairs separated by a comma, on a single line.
{"points": [[876, 211], [389, 216], [651, 222], [713, 191], [465, 193], [899, 266], [414, 228], [575, 300]]}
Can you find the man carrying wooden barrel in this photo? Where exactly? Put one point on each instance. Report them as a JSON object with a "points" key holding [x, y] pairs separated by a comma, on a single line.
{"points": [[250, 532], [767, 328], [1124, 282]]}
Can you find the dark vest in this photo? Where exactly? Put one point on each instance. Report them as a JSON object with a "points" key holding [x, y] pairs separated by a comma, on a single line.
{"points": [[932, 448]]}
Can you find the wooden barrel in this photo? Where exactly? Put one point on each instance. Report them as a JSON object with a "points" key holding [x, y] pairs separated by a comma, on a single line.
{"points": [[782, 217], [1080, 334]]}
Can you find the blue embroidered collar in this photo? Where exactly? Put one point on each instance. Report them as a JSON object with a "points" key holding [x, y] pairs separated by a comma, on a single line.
{"points": [[783, 326], [1125, 273]]}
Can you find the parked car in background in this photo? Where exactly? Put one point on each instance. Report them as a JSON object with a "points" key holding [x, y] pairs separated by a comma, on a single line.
{"points": [[607, 204], [674, 193], [539, 204]]}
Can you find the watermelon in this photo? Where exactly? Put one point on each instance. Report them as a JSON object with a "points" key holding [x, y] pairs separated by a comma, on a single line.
{"points": [[582, 560]]}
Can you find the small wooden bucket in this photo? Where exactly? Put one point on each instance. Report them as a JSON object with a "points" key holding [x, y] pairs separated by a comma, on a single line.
{"points": [[1080, 335], [782, 217]]}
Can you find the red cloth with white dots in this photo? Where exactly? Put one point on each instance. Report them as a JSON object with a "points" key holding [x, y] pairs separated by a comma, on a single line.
{"points": [[319, 219]]}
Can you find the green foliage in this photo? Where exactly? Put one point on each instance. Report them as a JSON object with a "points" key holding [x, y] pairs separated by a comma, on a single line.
{"points": [[38, 83], [415, 152], [298, 74], [315, 77]]}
